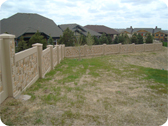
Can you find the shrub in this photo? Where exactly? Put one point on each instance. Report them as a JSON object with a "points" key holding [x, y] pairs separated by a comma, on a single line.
{"points": [[68, 38], [37, 38], [149, 38], [22, 45], [134, 39], [103, 39], [50, 41]]}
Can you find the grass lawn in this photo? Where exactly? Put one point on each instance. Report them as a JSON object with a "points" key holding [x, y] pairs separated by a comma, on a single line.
{"points": [[164, 44], [94, 91]]}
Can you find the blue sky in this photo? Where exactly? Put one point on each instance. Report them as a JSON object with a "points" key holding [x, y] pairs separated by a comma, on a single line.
{"points": [[111, 13]]}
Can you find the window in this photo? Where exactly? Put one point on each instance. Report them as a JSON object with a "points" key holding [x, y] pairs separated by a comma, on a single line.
{"points": [[161, 34], [156, 34]]}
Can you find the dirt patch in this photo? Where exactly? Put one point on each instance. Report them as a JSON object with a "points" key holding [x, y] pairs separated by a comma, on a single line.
{"points": [[156, 60]]}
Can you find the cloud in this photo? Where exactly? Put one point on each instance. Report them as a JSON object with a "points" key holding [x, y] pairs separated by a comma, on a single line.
{"points": [[137, 2], [112, 13]]}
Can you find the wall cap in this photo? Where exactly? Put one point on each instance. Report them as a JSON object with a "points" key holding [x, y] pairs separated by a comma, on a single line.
{"points": [[37, 44], [3, 36]]}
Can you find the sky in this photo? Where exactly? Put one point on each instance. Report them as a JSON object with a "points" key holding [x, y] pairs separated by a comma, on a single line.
{"points": [[111, 13]]}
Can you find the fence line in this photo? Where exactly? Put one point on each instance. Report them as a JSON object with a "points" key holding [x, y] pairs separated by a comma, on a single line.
{"points": [[98, 50], [19, 71]]}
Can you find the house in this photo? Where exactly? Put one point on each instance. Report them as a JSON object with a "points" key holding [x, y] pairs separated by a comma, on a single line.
{"points": [[27, 24], [78, 30], [103, 29], [160, 35], [157, 33], [127, 31]]}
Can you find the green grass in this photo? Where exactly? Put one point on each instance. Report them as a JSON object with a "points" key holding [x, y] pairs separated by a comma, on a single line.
{"points": [[164, 44]]}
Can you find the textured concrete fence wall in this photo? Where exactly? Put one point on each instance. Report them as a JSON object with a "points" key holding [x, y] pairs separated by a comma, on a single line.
{"points": [[104, 49], [25, 69], [1, 86], [55, 56], [46, 61], [19, 71]]}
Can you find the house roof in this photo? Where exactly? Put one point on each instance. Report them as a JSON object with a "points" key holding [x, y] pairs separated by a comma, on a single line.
{"points": [[146, 29], [101, 29], [164, 31], [21, 23], [83, 30]]}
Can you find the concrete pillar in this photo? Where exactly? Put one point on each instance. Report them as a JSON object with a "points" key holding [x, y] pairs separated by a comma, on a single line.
{"points": [[62, 51], [119, 46], [133, 47], [8, 64], [104, 49], [51, 55], [57, 46], [39, 51], [85, 50]]}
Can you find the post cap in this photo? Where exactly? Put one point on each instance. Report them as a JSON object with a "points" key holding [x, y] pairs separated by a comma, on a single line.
{"points": [[37, 44], [7, 36]]}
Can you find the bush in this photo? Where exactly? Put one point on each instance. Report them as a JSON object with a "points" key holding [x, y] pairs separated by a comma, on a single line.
{"points": [[96, 40], [50, 41], [109, 39], [37, 38], [140, 39], [164, 44], [103, 39], [68, 38], [134, 39], [149, 38], [22, 45], [116, 40]]}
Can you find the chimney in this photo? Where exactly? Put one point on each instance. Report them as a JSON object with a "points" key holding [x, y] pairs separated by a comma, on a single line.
{"points": [[131, 27], [156, 27]]}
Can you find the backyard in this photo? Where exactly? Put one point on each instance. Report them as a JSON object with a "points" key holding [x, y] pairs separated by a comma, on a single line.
{"points": [[119, 89]]}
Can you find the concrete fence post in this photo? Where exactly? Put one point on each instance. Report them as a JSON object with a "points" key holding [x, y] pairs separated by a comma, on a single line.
{"points": [[62, 51], [51, 55], [119, 44], [154, 46], [8, 64], [39, 54], [85, 50], [133, 47], [104, 49], [57, 46]]}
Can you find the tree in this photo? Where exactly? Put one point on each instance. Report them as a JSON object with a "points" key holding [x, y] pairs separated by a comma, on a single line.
{"points": [[83, 38], [50, 41], [126, 39], [89, 39], [68, 38], [96, 40], [22, 45], [140, 39], [37, 38], [116, 40], [109, 39], [78, 42], [134, 39], [149, 38], [103, 39], [121, 39]]}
